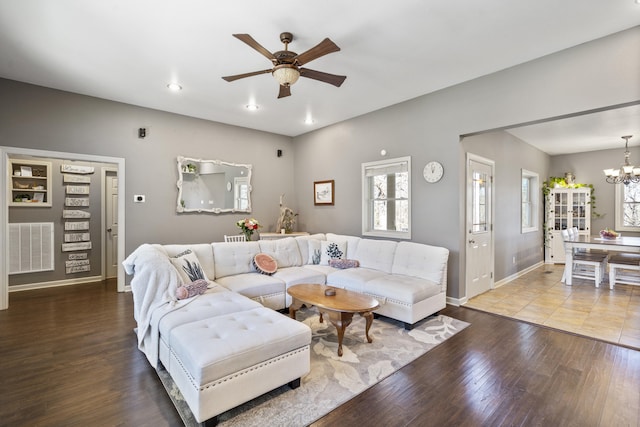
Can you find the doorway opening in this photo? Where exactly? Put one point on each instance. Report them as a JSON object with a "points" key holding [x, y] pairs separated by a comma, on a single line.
{"points": [[115, 166]]}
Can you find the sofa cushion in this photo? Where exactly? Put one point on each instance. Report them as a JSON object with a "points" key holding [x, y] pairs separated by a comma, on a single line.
{"points": [[303, 245], [253, 285], [211, 349], [353, 279], [376, 254], [193, 289], [214, 302], [265, 264], [296, 275], [284, 251], [323, 269], [332, 250], [203, 251], [398, 287], [234, 257], [188, 266], [315, 252], [344, 263], [350, 241], [418, 260]]}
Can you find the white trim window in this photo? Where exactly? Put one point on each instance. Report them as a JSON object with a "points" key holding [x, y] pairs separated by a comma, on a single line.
{"points": [[386, 198], [627, 207], [530, 201]]}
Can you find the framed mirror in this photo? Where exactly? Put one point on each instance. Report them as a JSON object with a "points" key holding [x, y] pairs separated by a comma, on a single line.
{"points": [[213, 186]]}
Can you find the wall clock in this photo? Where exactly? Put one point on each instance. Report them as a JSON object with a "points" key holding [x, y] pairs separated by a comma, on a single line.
{"points": [[433, 172]]}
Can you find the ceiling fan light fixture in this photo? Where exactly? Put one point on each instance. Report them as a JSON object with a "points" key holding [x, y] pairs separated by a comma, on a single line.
{"points": [[286, 74]]}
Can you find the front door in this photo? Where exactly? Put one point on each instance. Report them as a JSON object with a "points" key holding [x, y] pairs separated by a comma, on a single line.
{"points": [[479, 225]]}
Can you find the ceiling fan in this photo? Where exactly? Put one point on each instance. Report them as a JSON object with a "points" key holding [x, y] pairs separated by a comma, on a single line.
{"points": [[287, 65]]}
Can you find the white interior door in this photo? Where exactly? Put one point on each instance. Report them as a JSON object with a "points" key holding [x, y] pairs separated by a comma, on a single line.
{"points": [[111, 222], [479, 225]]}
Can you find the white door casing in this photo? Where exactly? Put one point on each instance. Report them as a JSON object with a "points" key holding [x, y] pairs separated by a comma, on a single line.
{"points": [[479, 225], [5, 153]]}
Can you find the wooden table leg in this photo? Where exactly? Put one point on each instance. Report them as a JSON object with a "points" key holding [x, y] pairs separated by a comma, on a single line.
{"points": [[369, 318], [295, 306], [340, 321]]}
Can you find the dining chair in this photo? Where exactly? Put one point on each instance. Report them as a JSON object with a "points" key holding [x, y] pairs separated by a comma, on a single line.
{"points": [[235, 238], [624, 268], [587, 265]]}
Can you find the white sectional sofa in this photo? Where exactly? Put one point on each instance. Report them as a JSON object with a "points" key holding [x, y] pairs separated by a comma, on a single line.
{"points": [[230, 344]]}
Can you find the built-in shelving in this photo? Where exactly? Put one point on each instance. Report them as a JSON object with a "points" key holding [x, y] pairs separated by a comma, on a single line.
{"points": [[29, 183]]}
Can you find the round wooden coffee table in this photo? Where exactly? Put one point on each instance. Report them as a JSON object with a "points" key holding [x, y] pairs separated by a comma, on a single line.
{"points": [[339, 308]]}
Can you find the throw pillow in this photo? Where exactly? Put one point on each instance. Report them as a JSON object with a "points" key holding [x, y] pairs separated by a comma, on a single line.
{"points": [[188, 266], [331, 250], [314, 251], [265, 264], [198, 287], [344, 263]]}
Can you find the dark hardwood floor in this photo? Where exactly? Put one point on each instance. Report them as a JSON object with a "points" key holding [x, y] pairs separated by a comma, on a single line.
{"points": [[68, 357]]}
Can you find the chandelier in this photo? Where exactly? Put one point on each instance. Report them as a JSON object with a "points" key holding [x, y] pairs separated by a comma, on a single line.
{"points": [[627, 172]]}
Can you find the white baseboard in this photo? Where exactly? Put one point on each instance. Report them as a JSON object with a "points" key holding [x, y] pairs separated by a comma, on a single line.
{"points": [[456, 301], [42, 285], [516, 275]]}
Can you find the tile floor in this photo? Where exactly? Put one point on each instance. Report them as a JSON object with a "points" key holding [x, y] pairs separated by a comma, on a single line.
{"points": [[540, 297]]}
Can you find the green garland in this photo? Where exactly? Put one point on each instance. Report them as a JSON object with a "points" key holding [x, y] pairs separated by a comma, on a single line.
{"points": [[555, 182]]}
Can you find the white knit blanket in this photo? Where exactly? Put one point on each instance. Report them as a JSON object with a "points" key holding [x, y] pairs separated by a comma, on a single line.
{"points": [[154, 287]]}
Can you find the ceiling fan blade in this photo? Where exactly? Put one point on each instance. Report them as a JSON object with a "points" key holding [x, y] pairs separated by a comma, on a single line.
{"points": [[323, 77], [323, 48], [254, 44], [242, 76], [284, 91]]}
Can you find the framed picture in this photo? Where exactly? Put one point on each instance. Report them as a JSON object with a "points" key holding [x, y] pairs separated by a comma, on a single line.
{"points": [[323, 192]]}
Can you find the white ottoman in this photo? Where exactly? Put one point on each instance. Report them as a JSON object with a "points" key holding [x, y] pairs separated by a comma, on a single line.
{"points": [[222, 362]]}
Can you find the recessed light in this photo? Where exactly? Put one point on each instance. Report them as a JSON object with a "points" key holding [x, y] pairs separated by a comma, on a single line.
{"points": [[309, 121], [175, 87], [251, 107]]}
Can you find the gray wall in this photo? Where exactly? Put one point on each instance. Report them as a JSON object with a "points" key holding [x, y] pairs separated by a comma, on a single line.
{"points": [[511, 155], [47, 119], [587, 167], [588, 76], [54, 214]]}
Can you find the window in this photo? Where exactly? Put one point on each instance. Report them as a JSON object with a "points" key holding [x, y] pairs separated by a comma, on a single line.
{"points": [[386, 198], [628, 207], [529, 199]]}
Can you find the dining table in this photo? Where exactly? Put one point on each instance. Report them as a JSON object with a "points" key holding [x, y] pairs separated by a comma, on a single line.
{"points": [[619, 244]]}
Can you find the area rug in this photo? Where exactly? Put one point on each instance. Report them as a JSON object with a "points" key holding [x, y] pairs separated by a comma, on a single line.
{"points": [[333, 380]]}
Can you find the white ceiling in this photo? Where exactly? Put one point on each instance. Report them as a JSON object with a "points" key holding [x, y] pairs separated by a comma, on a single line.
{"points": [[129, 50], [589, 132]]}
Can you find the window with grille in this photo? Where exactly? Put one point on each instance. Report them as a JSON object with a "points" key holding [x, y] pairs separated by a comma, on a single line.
{"points": [[627, 206], [386, 198]]}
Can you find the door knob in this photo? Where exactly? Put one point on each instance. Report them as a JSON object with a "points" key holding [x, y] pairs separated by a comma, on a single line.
{"points": [[472, 241], [109, 229]]}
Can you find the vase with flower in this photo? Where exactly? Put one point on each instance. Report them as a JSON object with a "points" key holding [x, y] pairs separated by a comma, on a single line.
{"points": [[247, 226]]}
